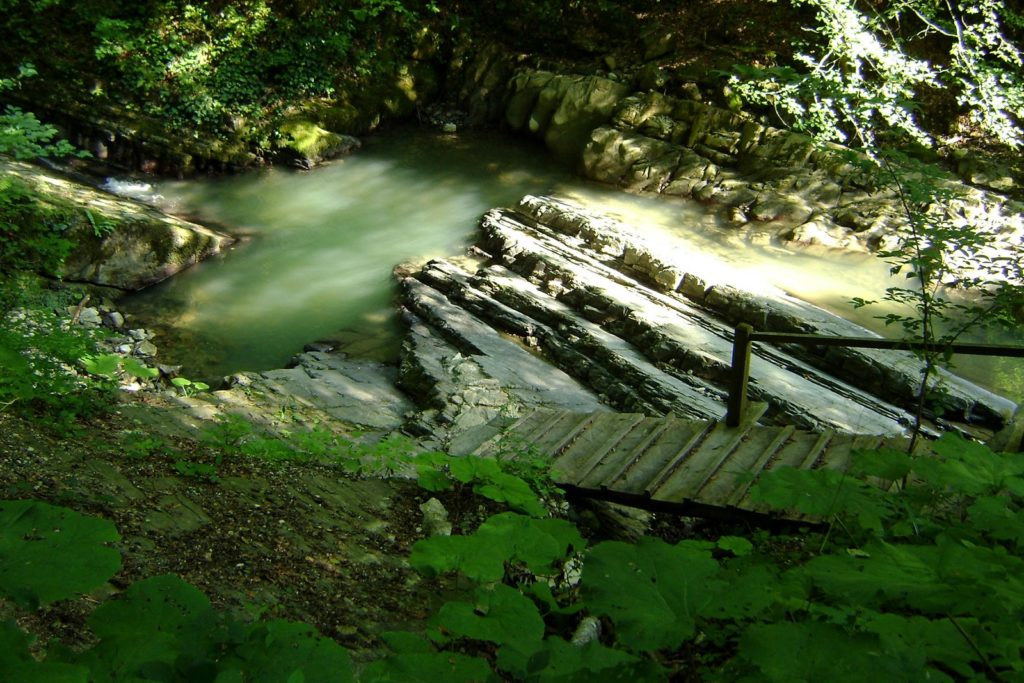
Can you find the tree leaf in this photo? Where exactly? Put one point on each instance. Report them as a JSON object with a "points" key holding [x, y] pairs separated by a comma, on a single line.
{"points": [[102, 366], [555, 659], [18, 664], [158, 627], [499, 614], [813, 651], [652, 591], [137, 368], [541, 544], [428, 668], [50, 553], [283, 650]]}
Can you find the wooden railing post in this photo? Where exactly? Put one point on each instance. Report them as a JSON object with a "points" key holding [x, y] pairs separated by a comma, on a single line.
{"points": [[737, 405]]}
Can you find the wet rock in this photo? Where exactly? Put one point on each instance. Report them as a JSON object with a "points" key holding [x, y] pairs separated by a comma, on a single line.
{"points": [[583, 325], [86, 317], [354, 392], [146, 348], [114, 320], [305, 144], [435, 518], [321, 346]]}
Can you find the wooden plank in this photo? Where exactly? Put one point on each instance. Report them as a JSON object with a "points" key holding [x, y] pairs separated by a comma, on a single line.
{"points": [[565, 432], [739, 471], [896, 443], [686, 479], [720, 433], [840, 452], [539, 428], [632, 443], [807, 458], [526, 422], [679, 437], [604, 434], [802, 447]]}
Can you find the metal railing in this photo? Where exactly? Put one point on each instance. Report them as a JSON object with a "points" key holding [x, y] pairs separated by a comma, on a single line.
{"points": [[745, 335]]}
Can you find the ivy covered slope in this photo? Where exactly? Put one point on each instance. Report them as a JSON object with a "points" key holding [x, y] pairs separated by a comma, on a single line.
{"points": [[212, 83]]}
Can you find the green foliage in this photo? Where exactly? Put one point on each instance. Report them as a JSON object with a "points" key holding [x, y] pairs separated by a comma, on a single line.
{"points": [[925, 586], [33, 233], [858, 79], [38, 352], [189, 387], [165, 629], [937, 249], [159, 629], [541, 546], [51, 553], [22, 135]]}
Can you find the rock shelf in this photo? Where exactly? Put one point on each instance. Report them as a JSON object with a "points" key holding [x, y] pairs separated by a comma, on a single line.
{"points": [[641, 332]]}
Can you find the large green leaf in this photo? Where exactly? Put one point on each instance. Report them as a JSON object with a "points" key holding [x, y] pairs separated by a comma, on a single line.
{"points": [[556, 661], [811, 652], [652, 591], [499, 614], [881, 573], [159, 628], [287, 651], [50, 553], [998, 518], [918, 641], [970, 468], [540, 544], [428, 668], [823, 493]]}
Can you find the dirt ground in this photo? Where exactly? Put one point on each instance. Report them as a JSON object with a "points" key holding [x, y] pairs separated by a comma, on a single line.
{"points": [[298, 541]]}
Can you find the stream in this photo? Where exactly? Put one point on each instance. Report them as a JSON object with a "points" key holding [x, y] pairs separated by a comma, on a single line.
{"points": [[318, 249]]}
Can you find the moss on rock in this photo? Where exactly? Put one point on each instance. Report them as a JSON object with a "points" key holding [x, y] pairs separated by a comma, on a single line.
{"points": [[118, 242]]}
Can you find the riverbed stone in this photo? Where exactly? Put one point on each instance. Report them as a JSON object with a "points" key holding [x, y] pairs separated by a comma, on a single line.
{"points": [[305, 144], [356, 392]]}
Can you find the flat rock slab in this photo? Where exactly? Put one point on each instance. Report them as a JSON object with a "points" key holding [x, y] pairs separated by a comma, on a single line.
{"points": [[354, 392]]}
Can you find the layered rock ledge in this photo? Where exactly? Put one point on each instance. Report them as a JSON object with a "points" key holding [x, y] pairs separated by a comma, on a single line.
{"points": [[571, 308], [784, 183]]}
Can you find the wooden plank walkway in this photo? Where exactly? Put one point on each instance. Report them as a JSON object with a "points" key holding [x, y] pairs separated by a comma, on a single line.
{"points": [[667, 463]]}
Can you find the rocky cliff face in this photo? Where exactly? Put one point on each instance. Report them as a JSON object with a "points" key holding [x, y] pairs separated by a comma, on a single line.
{"points": [[783, 183]]}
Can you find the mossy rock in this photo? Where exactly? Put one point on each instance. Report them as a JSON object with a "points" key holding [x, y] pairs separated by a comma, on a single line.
{"points": [[118, 242], [306, 144]]}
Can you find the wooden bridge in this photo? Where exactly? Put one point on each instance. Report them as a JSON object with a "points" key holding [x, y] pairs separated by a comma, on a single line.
{"points": [[665, 463]]}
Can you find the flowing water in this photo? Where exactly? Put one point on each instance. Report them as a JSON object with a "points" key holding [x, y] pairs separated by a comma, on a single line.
{"points": [[318, 249]]}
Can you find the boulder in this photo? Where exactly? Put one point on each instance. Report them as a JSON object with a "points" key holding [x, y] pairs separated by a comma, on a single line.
{"points": [[120, 242], [588, 103], [305, 144]]}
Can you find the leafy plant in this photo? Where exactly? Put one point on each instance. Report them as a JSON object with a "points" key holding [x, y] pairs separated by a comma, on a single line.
{"points": [[52, 553], [857, 79], [160, 628], [934, 252], [189, 387], [38, 354]]}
